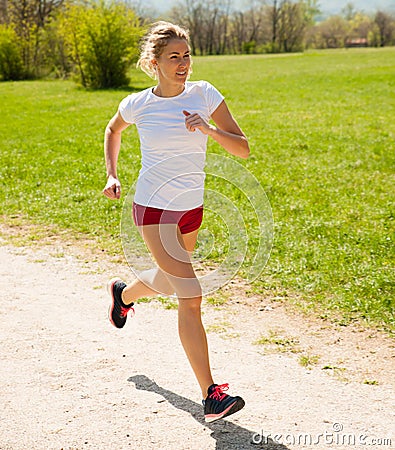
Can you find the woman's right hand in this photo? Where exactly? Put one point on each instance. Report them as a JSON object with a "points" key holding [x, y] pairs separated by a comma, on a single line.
{"points": [[112, 189]]}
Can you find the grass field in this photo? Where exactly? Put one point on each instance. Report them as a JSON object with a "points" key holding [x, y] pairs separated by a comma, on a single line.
{"points": [[321, 128]]}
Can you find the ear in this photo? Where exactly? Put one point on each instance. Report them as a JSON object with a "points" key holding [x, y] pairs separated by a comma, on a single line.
{"points": [[155, 68]]}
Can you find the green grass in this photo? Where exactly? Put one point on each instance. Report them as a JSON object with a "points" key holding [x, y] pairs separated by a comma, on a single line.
{"points": [[308, 361], [321, 128], [278, 342]]}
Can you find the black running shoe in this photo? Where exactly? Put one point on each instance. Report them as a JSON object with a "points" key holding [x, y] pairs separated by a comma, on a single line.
{"points": [[118, 310], [219, 405]]}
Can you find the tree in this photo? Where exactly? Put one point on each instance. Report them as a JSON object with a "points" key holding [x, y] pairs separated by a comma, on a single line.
{"points": [[311, 10], [360, 25], [215, 29], [3, 11], [292, 27], [55, 48], [274, 20], [28, 18], [349, 11], [102, 39], [254, 19], [239, 35], [241, 30], [333, 32], [386, 27], [288, 22], [208, 23], [190, 14]]}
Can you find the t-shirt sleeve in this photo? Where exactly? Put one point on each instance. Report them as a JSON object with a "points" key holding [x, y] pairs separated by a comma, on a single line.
{"points": [[126, 109], [213, 97]]}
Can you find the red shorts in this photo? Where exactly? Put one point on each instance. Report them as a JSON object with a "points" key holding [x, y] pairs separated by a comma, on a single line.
{"points": [[188, 221]]}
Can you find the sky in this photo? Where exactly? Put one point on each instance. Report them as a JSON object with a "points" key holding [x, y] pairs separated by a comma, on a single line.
{"points": [[335, 6], [327, 6]]}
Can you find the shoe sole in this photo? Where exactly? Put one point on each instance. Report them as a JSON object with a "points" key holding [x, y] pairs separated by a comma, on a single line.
{"points": [[110, 290], [233, 408]]}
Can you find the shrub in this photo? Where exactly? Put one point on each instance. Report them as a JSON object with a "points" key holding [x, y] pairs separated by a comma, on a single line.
{"points": [[249, 47], [11, 67], [102, 39]]}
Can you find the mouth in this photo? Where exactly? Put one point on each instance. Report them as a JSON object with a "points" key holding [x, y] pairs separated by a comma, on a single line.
{"points": [[182, 73]]}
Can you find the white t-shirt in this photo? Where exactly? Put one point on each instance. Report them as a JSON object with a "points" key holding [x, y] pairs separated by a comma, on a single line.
{"points": [[173, 158]]}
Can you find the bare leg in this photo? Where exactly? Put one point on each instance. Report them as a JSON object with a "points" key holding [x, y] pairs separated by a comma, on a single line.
{"points": [[149, 283], [170, 250], [194, 341], [154, 282]]}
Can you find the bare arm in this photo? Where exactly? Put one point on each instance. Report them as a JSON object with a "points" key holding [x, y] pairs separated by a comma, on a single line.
{"points": [[112, 145], [226, 132]]}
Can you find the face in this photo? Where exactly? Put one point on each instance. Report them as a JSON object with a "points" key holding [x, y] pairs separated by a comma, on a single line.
{"points": [[174, 64]]}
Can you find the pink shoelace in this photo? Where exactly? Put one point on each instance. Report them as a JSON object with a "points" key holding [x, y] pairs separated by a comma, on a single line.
{"points": [[124, 311], [217, 392]]}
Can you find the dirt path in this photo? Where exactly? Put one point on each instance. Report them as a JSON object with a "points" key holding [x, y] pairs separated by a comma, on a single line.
{"points": [[69, 380]]}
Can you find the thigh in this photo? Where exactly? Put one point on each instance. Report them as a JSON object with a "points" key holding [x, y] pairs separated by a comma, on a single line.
{"points": [[189, 240], [167, 246]]}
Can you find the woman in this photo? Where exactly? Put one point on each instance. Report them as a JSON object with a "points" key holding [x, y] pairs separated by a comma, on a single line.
{"points": [[172, 120]]}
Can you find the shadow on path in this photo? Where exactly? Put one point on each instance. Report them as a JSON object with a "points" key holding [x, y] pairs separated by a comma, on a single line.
{"points": [[228, 436]]}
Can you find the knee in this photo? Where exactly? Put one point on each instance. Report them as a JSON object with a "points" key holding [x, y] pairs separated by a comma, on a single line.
{"points": [[190, 305], [186, 288], [155, 279]]}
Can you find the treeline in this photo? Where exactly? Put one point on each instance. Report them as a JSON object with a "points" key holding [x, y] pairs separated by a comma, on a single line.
{"points": [[273, 26], [96, 41]]}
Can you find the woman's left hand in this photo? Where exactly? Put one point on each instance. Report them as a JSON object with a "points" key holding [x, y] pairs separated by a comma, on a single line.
{"points": [[194, 122]]}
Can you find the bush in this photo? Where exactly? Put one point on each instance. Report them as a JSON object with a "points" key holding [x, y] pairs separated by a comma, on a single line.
{"points": [[57, 59], [249, 47], [11, 67], [102, 39]]}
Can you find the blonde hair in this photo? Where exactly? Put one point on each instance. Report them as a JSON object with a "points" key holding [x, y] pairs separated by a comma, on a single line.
{"points": [[155, 41]]}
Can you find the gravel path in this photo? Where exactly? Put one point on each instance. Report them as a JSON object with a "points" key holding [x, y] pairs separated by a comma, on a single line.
{"points": [[69, 380]]}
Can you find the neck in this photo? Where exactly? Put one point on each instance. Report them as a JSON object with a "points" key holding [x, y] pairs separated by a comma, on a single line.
{"points": [[163, 90]]}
